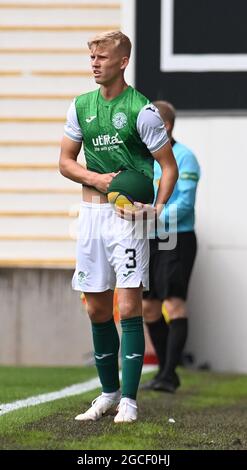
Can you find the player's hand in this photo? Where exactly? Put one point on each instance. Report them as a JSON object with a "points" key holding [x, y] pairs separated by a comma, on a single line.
{"points": [[102, 181], [141, 212]]}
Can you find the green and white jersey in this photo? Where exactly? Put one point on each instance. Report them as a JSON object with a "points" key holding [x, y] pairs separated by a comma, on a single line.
{"points": [[117, 134]]}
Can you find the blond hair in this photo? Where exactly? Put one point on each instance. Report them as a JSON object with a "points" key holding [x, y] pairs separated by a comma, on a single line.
{"points": [[117, 38]]}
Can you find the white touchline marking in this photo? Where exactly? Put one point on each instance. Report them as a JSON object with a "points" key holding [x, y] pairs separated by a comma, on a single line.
{"points": [[76, 389]]}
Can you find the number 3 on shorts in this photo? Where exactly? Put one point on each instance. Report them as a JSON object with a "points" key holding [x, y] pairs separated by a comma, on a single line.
{"points": [[132, 258]]}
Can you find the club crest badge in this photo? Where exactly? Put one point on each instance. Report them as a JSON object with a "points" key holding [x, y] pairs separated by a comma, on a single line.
{"points": [[119, 120]]}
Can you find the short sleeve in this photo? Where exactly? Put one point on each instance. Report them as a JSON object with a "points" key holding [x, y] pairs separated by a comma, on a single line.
{"points": [[151, 128], [72, 128]]}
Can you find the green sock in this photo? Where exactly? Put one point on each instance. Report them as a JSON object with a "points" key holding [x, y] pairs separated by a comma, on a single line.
{"points": [[132, 352], [106, 346]]}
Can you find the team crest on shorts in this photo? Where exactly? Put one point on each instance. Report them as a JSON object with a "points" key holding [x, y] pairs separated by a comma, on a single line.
{"points": [[81, 277], [119, 120]]}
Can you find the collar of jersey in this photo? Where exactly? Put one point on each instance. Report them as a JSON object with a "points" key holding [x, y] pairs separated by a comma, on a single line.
{"points": [[105, 102]]}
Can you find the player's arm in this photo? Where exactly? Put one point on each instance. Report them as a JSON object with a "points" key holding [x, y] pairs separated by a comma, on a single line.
{"points": [[153, 133], [70, 149], [70, 168], [68, 165], [169, 176]]}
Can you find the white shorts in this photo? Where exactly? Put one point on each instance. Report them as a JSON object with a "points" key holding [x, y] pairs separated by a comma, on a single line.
{"points": [[111, 252]]}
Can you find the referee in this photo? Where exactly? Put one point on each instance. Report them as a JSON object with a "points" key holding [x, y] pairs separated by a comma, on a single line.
{"points": [[164, 305]]}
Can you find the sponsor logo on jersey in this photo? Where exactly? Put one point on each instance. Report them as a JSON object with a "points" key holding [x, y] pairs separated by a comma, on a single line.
{"points": [[106, 139], [90, 118], [119, 120]]}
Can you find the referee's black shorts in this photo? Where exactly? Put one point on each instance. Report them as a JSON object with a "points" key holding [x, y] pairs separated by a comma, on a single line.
{"points": [[170, 270]]}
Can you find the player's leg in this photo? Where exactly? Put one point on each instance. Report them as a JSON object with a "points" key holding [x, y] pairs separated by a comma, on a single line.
{"points": [[95, 277], [175, 305], [178, 326], [106, 346], [127, 251], [152, 306], [158, 331], [130, 258], [132, 344], [105, 338], [132, 350]]}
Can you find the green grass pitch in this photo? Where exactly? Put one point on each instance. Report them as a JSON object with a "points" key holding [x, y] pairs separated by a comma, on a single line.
{"points": [[209, 411]]}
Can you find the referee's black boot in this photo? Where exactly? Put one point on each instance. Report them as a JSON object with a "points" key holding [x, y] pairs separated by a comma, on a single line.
{"points": [[150, 384], [167, 383]]}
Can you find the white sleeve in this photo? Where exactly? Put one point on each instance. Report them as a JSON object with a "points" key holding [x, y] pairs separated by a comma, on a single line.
{"points": [[151, 128], [72, 128]]}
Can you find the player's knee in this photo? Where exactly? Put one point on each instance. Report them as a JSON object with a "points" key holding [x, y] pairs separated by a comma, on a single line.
{"points": [[98, 314], [128, 309], [176, 308]]}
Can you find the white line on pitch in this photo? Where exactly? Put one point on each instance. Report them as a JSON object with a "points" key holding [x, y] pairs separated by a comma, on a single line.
{"points": [[76, 389]]}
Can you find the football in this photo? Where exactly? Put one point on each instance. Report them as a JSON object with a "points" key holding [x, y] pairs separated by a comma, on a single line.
{"points": [[128, 187]]}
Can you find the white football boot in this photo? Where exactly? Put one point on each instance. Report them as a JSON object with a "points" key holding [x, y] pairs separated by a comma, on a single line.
{"points": [[105, 402], [127, 411]]}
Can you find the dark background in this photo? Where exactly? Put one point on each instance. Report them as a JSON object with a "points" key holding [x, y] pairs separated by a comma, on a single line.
{"points": [[200, 26]]}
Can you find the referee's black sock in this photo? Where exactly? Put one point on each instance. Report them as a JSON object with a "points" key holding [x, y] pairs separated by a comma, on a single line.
{"points": [[175, 344], [158, 332]]}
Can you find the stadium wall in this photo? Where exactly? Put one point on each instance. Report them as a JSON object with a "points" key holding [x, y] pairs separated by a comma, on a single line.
{"points": [[43, 321], [218, 297]]}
